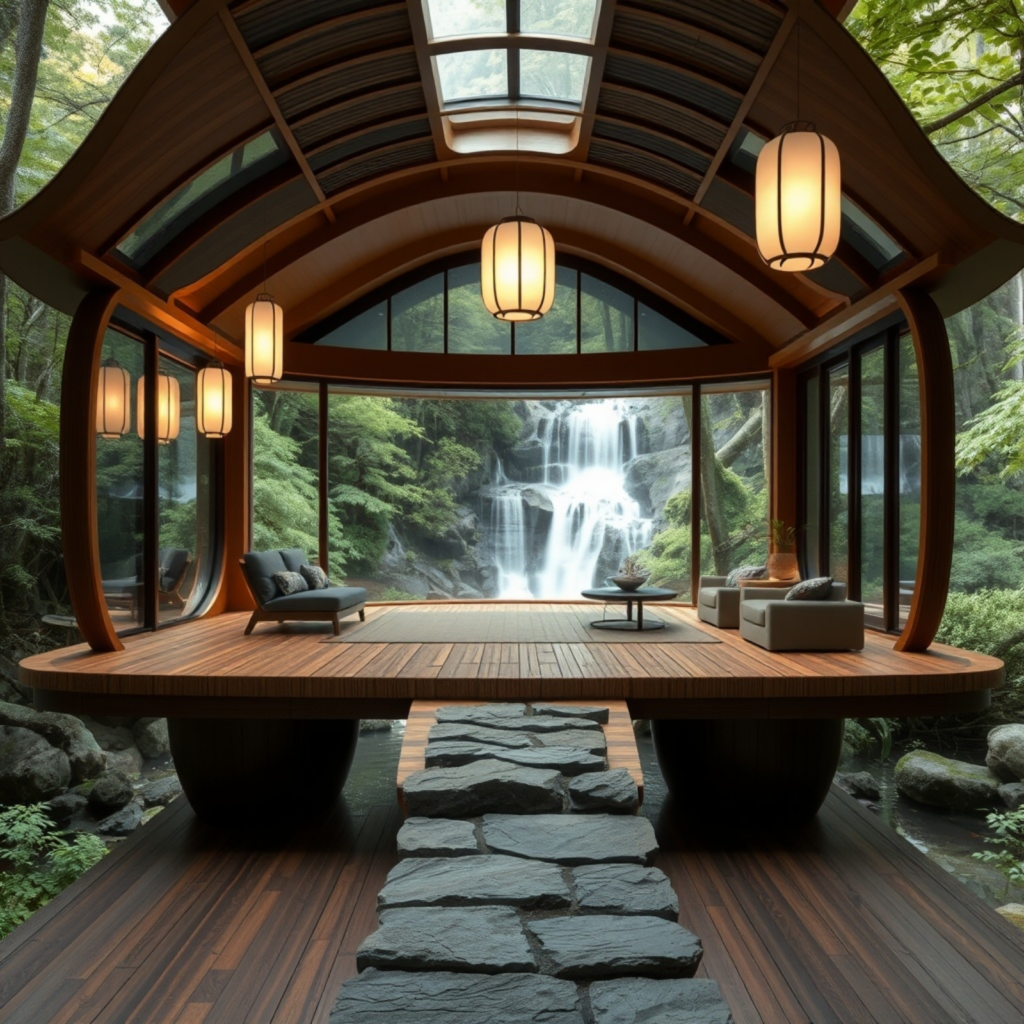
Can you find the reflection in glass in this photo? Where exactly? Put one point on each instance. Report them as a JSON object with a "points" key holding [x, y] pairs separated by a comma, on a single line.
{"points": [[872, 478], [417, 317], [910, 474], [457, 18], [119, 499], [185, 506], [471, 329], [606, 317], [552, 75], [839, 473], [555, 334], [657, 331], [472, 75], [812, 481], [367, 330], [571, 18]]}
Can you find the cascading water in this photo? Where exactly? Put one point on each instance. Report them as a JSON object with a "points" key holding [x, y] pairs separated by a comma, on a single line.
{"points": [[593, 523]]}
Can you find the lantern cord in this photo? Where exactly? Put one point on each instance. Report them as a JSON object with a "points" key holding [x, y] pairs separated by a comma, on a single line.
{"points": [[798, 69], [518, 208]]}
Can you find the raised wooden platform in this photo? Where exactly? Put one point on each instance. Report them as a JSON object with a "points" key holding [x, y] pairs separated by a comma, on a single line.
{"points": [[842, 922], [210, 669], [618, 733]]}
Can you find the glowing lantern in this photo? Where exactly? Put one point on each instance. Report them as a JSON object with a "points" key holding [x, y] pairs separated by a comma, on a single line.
{"points": [[264, 340], [213, 400], [517, 269], [168, 408], [113, 400]]}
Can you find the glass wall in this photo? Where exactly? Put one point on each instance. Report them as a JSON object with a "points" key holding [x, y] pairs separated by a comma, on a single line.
{"points": [[870, 491]]}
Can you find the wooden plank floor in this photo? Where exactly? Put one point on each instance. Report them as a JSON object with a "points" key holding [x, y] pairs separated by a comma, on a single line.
{"points": [[841, 923], [209, 667]]}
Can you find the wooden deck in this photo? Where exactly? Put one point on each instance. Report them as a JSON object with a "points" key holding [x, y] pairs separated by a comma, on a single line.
{"points": [[208, 668], [842, 923]]}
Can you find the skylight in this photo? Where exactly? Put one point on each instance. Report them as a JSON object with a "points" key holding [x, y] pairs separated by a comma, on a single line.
{"points": [[511, 58]]}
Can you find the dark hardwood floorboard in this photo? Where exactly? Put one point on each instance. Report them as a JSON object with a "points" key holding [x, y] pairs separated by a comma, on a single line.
{"points": [[841, 922]]}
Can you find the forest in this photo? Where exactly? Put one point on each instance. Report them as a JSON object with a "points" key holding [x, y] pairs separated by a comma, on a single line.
{"points": [[405, 473]]}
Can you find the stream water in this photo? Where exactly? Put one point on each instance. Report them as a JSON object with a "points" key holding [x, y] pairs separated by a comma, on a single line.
{"points": [[584, 521]]}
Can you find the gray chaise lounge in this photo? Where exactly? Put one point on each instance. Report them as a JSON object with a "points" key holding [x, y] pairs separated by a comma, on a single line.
{"points": [[327, 605]]}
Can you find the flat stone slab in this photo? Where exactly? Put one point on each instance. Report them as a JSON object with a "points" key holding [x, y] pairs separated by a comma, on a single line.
{"points": [[650, 1001], [490, 880], [520, 723], [572, 839], [482, 787], [625, 889], [480, 714], [607, 946], [594, 713], [592, 740], [436, 837], [487, 940], [467, 731], [564, 760], [400, 997], [613, 791]]}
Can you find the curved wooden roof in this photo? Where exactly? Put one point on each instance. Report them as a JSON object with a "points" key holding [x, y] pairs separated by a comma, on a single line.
{"points": [[369, 186]]}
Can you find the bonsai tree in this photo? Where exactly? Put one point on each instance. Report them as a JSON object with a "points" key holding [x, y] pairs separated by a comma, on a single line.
{"points": [[632, 565]]}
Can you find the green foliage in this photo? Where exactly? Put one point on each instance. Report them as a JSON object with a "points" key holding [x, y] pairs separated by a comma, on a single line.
{"points": [[1009, 840], [37, 861], [783, 537], [394, 594]]}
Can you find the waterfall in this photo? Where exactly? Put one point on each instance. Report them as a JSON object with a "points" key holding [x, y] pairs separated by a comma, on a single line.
{"points": [[593, 524]]}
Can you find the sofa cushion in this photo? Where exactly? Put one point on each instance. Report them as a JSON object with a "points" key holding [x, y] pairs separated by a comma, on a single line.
{"points": [[261, 566], [754, 611], [294, 558], [816, 589], [290, 582], [314, 576], [708, 596], [333, 599], [745, 572]]}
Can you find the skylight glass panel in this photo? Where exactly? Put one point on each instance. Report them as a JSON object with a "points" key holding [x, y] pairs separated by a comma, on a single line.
{"points": [[552, 75], [466, 18], [472, 75], [573, 19]]}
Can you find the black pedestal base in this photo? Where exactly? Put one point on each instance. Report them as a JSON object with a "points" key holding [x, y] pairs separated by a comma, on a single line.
{"points": [[240, 771], [760, 771]]}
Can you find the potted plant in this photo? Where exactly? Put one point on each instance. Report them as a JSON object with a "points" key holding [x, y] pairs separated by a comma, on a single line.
{"points": [[782, 563], [632, 573]]}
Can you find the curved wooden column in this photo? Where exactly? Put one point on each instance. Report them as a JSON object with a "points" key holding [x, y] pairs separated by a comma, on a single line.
{"points": [[938, 471], [78, 517]]}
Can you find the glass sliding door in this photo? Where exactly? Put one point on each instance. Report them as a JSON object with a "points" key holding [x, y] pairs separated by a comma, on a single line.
{"points": [[839, 472], [872, 482], [909, 475]]}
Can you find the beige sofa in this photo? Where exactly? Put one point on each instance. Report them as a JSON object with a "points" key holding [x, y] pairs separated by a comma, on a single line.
{"points": [[717, 603], [833, 624]]}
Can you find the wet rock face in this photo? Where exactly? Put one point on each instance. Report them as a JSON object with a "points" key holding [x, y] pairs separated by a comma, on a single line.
{"points": [[1006, 752], [482, 787], [941, 782], [30, 769]]}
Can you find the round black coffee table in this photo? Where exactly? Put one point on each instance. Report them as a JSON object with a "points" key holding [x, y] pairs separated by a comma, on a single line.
{"points": [[617, 595]]}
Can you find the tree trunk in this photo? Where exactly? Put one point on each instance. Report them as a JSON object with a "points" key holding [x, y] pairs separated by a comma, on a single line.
{"points": [[28, 48], [714, 514], [735, 446]]}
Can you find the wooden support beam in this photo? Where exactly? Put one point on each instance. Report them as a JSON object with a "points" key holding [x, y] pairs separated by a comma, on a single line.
{"points": [[938, 471]]}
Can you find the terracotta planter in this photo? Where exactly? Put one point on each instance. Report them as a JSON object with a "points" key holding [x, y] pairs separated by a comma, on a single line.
{"points": [[783, 566]]}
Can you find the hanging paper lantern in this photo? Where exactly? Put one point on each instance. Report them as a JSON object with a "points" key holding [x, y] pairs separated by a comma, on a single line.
{"points": [[113, 400], [517, 270], [168, 408], [264, 340], [213, 400]]}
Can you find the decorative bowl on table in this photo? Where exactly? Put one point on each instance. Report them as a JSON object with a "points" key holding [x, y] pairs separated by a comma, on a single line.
{"points": [[629, 582]]}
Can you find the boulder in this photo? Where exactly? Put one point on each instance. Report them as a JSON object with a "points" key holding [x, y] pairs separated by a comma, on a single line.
{"points": [[609, 946], [861, 785], [62, 731], [659, 1001], [1014, 913], [151, 737], [1006, 752], [1012, 794], [128, 761], [487, 940], [160, 792], [123, 822], [376, 724], [614, 792], [64, 807], [482, 787], [30, 769], [110, 792], [110, 737], [442, 997], [941, 782]]}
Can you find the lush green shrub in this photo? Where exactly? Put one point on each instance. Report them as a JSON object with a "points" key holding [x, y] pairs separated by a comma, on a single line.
{"points": [[37, 861]]}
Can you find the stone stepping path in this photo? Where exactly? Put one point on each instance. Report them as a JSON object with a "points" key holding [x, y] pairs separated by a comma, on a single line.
{"points": [[525, 890]]}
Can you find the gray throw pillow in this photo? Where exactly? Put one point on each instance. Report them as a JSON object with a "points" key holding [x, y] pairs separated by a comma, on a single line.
{"points": [[811, 590], [290, 582], [314, 576], [745, 572]]}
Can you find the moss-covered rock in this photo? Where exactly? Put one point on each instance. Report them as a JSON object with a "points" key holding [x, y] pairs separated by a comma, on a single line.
{"points": [[1014, 913], [942, 782]]}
